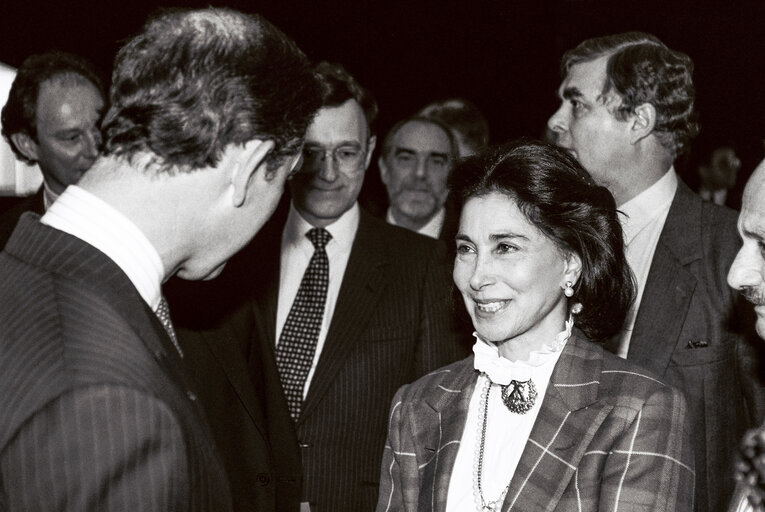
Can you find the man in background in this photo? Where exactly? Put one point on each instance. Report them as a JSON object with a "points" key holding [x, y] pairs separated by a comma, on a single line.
{"points": [[52, 119], [468, 124], [99, 409], [627, 126], [347, 309], [416, 159]]}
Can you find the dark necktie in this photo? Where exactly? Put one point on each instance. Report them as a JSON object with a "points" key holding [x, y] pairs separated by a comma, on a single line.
{"points": [[163, 313], [297, 343]]}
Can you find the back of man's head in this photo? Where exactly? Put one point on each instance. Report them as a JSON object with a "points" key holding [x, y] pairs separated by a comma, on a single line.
{"points": [[194, 82], [19, 115], [464, 118], [641, 69], [338, 86]]}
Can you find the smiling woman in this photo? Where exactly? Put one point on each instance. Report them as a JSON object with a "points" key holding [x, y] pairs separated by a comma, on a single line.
{"points": [[539, 416]]}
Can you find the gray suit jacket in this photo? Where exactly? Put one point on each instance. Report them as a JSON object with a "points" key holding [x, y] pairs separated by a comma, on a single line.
{"points": [[97, 411], [608, 436], [697, 334]]}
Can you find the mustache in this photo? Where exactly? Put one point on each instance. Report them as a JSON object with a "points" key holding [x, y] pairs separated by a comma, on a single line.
{"points": [[753, 295]]}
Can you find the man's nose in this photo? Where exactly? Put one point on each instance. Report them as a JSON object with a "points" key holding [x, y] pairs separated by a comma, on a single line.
{"points": [[421, 170], [92, 144], [745, 272], [557, 121], [327, 168]]}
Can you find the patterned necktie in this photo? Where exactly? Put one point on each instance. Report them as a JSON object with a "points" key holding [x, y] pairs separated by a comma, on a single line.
{"points": [[297, 343], [163, 313]]}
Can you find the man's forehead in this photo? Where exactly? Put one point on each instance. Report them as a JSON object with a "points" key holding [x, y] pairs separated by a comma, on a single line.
{"points": [[422, 136], [754, 192], [337, 124], [585, 79], [68, 102]]}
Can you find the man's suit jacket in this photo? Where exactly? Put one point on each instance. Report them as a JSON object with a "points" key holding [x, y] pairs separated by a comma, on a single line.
{"points": [[687, 303], [392, 323], [97, 412], [8, 219], [608, 436], [215, 330]]}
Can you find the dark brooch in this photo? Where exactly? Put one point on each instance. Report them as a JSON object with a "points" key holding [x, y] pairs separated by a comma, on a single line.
{"points": [[519, 397]]}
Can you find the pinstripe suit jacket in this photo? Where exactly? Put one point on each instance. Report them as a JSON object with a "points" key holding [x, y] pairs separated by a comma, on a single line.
{"points": [[97, 413], [392, 323], [608, 437], [687, 303]]}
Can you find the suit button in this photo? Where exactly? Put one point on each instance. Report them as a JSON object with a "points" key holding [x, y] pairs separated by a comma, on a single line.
{"points": [[305, 445], [191, 395], [263, 479]]}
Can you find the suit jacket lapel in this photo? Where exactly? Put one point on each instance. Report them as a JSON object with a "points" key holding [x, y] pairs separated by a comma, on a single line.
{"points": [[233, 361], [438, 422], [61, 253], [669, 286], [359, 293], [562, 431]]}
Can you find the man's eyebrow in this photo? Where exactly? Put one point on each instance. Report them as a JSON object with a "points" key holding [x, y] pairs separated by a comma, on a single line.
{"points": [[438, 155], [398, 150], [571, 92]]}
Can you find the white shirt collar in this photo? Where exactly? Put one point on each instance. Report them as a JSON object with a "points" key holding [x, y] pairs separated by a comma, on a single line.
{"points": [[431, 229], [343, 230], [85, 216], [639, 211]]}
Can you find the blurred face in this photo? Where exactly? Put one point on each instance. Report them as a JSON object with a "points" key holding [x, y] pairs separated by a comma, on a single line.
{"points": [[510, 275], [415, 170], [747, 274], [585, 126], [335, 158], [68, 138]]}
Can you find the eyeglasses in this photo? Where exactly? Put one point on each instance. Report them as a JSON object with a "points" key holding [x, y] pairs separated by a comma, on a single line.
{"points": [[347, 157]]}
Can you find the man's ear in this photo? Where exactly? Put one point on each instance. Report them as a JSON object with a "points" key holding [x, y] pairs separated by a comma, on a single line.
{"points": [[25, 145], [370, 149], [384, 174], [643, 122], [249, 162]]}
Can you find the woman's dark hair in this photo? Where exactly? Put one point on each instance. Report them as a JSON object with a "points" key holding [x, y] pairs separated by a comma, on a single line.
{"points": [[560, 199]]}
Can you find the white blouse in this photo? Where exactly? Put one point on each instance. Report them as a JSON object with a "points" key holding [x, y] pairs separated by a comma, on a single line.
{"points": [[506, 432]]}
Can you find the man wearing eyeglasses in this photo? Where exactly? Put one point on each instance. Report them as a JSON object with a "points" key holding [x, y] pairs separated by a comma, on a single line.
{"points": [[347, 307]]}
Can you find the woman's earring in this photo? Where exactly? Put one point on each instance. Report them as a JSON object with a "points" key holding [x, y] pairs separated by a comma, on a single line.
{"points": [[568, 291], [576, 308]]}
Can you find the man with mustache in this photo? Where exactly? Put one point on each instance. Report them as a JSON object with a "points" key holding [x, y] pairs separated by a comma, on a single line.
{"points": [[417, 157], [747, 275]]}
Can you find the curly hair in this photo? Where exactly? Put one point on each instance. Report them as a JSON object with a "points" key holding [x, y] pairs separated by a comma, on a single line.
{"points": [[559, 198], [641, 69], [20, 111], [194, 82]]}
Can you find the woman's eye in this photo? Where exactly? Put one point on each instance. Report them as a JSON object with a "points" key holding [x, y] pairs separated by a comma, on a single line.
{"points": [[506, 248], [463, 249]]}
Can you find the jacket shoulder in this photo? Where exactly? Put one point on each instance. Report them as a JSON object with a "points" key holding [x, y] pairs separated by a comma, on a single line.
{"points": [[450, 377]]}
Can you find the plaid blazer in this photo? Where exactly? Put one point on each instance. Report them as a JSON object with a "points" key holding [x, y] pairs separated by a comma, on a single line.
{"points": [[608, 437]]}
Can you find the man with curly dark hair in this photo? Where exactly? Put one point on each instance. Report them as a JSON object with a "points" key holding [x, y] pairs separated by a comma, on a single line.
{"points": [[626, 113]]}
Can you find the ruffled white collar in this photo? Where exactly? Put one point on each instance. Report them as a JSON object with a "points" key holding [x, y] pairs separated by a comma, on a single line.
{"points": [[502, 371]]}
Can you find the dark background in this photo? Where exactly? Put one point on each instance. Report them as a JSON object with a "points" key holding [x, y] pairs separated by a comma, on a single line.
{"points": [[502, 56]]}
